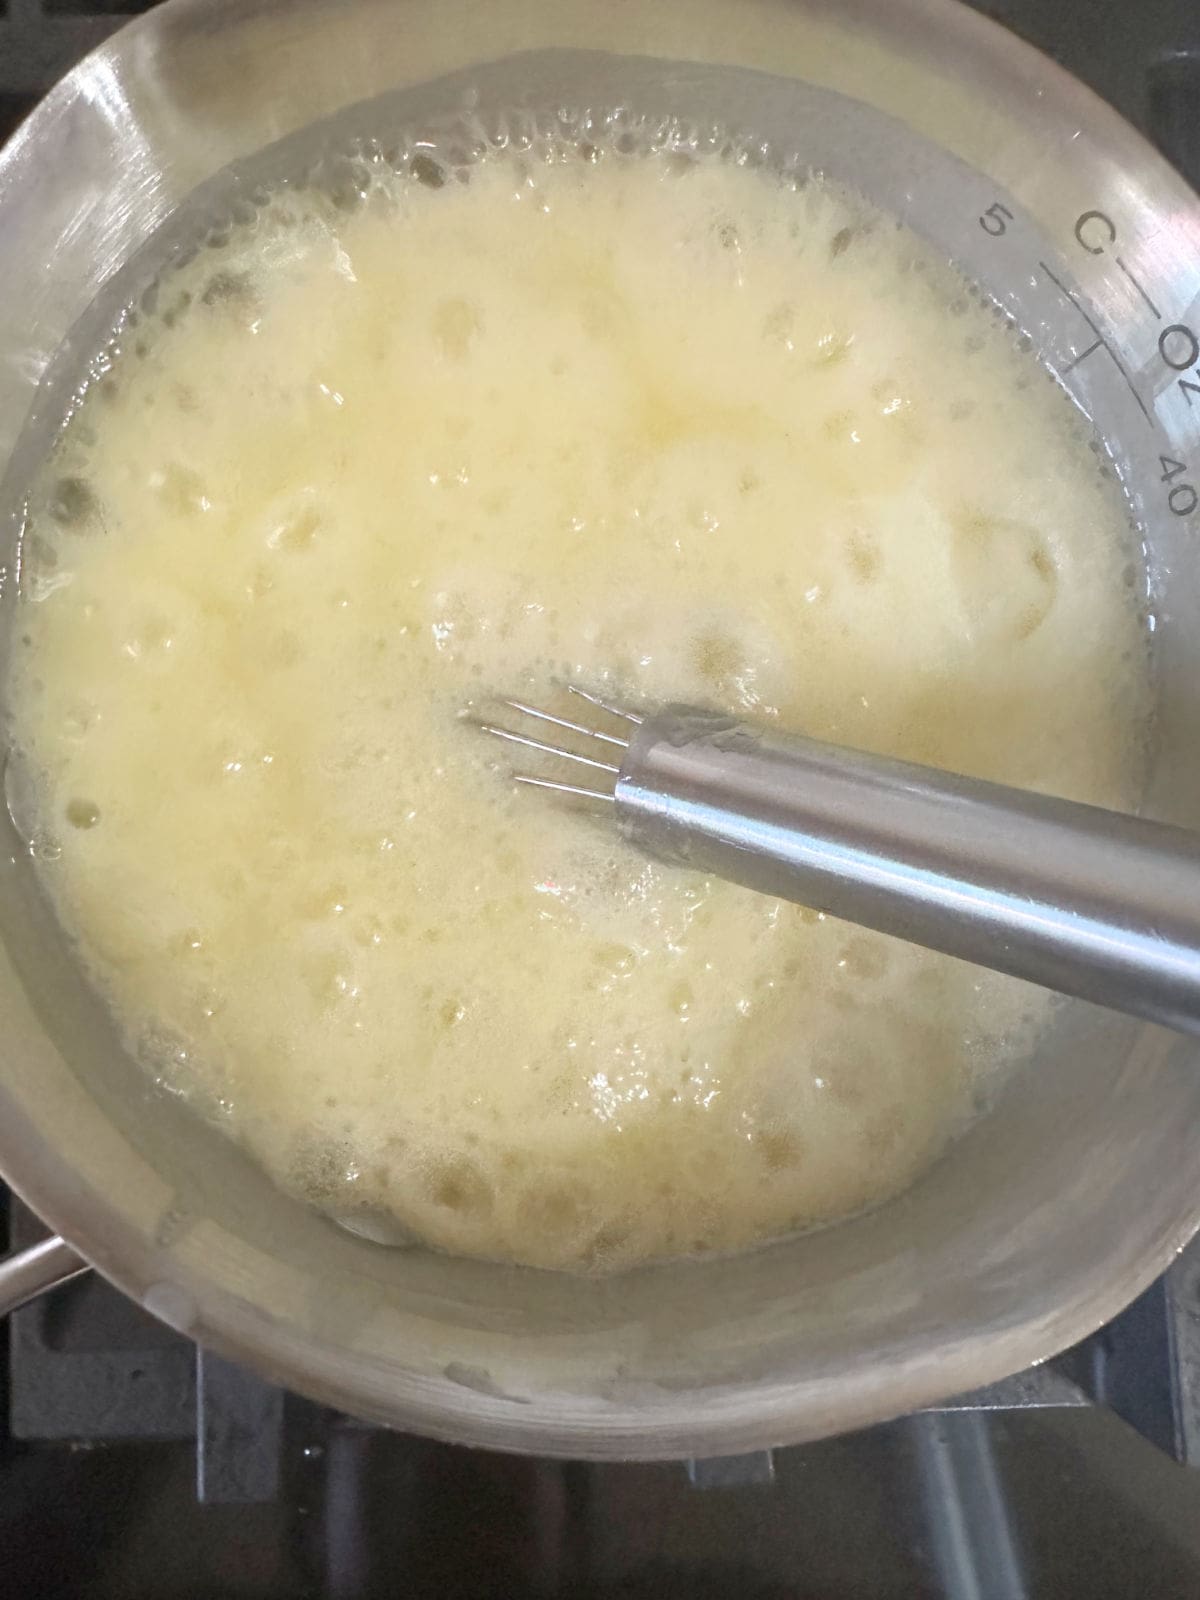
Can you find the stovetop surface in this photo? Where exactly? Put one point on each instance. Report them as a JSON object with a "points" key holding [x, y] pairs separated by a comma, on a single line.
{"points": [[131, 1466]]}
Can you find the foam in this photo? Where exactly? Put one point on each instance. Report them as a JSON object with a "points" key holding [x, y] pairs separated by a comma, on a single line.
{"points": [[674, 426]]}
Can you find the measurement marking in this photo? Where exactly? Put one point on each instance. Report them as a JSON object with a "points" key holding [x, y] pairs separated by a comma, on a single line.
{"points": [[1153, 308], [1083, 355], [1117, 362]]}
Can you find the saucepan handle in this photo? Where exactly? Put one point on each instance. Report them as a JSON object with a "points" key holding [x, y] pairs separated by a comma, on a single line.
{"points": [[28, 1273]]}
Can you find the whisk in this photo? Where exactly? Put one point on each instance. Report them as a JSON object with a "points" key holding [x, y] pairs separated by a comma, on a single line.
{"points": [[1089, 902]]}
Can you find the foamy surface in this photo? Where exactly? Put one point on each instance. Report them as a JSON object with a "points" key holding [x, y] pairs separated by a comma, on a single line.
{"points": [[670, 428]]}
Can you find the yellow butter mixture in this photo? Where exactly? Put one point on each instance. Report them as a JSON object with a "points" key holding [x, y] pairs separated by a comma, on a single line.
{"points": [[675, 430]]}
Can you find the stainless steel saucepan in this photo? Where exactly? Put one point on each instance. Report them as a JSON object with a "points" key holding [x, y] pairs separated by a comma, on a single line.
{"points": [[1058, 1206]]}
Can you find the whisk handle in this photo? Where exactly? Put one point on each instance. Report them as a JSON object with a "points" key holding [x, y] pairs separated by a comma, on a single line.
{"points": [[1089, 902]]}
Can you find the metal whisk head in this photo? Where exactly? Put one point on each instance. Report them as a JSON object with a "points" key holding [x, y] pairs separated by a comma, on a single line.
{"points": [[594, 740]]}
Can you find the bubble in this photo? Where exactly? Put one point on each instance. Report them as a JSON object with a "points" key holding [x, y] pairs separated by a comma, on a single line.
{"points": [[182, 489], [297, 531], [73, 503], [347, 184], [167, 1056], [427, 171], [555, 1209], [181, 303], [42, 572], [451, 1012], [718, 658], [457, 1184], [864, 555], [321, 1169], [608, 1245], [456, 325], [82, 813], [831, 349], [865, 957], [779, 1148], [681, 999], [228, 287]]}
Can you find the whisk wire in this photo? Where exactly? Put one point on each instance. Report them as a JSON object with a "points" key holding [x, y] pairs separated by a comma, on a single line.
{"points": [[605, 705], [562, 722], [562, 752], [563, 788], [548, 749]]}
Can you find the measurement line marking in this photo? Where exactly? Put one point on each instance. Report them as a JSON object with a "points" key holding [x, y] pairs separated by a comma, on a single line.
{"points": [[1153, 308], [1083, 355], [1117, 362]]}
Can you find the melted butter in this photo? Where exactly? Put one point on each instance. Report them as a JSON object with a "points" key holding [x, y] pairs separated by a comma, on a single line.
{"points": [[687, 435]]}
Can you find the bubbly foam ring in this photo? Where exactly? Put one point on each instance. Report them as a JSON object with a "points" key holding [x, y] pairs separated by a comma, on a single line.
{"points": [[674, 426]]}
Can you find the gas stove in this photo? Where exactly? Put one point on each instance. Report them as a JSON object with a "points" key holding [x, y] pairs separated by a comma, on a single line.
{"points": [[133, 1464]]}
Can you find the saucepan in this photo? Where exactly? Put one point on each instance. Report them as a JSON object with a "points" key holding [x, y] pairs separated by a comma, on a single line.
{"points": [[1082, 1182]]}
